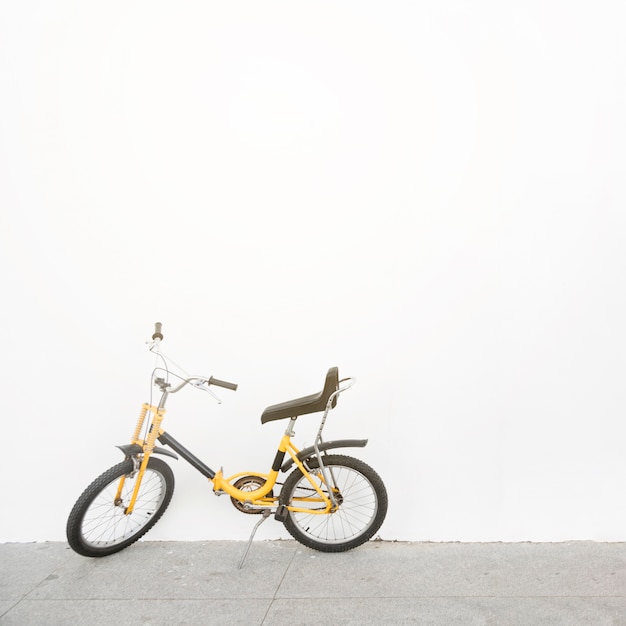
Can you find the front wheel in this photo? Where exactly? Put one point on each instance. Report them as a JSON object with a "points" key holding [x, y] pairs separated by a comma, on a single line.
{"points": [[98, 524], [359, 492]]}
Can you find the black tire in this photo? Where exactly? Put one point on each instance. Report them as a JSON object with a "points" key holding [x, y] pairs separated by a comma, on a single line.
{"points": [[363, 505], [97, 526]]}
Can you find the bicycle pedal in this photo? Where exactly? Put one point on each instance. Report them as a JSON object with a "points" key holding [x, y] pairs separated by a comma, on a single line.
{"points": [[281, 513]]}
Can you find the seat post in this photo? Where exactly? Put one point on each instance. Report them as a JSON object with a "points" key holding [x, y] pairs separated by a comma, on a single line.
{"points": [[289, 431]]}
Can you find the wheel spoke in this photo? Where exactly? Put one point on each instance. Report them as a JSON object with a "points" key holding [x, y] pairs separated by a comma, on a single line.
{"points": [[358, 509], [112, 525]]}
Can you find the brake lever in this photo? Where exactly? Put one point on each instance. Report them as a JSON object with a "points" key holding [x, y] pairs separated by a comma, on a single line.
{"points": [[204, 386]]}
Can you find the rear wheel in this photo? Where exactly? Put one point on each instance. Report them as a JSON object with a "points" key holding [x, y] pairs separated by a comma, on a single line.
{"points": [[98, 524], [359, 492]]}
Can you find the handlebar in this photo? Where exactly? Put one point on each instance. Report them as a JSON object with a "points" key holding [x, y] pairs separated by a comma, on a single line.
{"points": [[196, 381], [222, 383]]}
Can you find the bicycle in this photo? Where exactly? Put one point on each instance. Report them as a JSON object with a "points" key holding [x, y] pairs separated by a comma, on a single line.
{"points": [[329, 502]]}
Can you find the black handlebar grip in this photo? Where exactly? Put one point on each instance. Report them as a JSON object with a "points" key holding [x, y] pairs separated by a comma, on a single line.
{"points": [[157, 331], [222, 383]]}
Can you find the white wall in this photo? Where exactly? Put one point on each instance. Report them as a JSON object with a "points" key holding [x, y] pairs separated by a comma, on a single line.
{"points": [[428, 195]]}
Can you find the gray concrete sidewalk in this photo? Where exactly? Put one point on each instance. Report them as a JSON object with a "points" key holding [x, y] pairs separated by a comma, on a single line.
{"points": [[284, 583]]}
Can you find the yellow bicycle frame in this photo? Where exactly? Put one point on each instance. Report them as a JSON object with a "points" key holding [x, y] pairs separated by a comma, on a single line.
{"points": [[257, 497], [221, 484]]}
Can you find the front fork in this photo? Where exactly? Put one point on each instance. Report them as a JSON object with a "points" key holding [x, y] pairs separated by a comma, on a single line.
{"points": [[148, 447]]}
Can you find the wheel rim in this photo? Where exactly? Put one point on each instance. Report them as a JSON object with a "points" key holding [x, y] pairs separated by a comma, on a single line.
{"points": [[105, 523], [358, 506]]}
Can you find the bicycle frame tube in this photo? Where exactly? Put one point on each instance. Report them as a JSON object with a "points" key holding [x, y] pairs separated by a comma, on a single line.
{"points": [[329, 505], [256, 496], [191, 458], [220, 484]]}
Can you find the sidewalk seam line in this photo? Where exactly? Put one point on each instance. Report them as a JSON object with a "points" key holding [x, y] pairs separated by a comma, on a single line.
{"points": [[293, 556]]}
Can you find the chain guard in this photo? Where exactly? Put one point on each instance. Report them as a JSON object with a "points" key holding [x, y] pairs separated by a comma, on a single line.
{"points": [[250, 483]]}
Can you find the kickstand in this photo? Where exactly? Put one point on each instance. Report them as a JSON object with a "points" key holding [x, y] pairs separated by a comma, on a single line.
{"points": [[266, 514]]}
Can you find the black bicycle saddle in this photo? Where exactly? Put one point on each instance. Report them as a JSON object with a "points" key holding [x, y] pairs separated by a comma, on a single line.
{"points": [[308, 404]]}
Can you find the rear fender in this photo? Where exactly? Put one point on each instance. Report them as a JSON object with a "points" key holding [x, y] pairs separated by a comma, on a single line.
{"points": [[307, 453]]}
